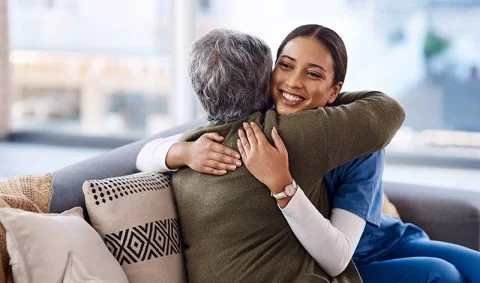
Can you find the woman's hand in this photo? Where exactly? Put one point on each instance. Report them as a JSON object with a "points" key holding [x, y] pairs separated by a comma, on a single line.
{"points": [[267, 163], [205, 155]]}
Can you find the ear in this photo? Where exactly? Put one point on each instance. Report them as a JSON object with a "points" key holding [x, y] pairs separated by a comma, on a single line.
{"points": [[335, 90]]}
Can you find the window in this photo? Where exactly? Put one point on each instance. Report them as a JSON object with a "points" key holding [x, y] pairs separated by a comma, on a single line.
{"points": [[99, 73], [79, 70]]}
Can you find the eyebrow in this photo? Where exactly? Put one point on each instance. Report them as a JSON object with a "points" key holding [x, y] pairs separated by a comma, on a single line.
{"points": [[309, 64]]}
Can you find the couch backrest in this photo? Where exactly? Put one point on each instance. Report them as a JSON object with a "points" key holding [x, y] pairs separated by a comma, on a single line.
{"points": [[67, 182], [446, 214]]}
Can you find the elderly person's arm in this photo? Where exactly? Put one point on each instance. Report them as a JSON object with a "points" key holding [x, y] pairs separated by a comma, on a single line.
{"points": [[208, 155], [359, 124], [335, 134]]}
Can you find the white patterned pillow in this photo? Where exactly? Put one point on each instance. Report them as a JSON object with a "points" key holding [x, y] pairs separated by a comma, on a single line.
{"points": [[136, 217]]}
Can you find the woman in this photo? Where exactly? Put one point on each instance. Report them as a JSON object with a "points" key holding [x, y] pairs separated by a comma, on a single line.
{"points": [[309, 72]]}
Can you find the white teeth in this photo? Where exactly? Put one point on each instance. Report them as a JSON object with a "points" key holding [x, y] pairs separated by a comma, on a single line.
{"points": [[291, 97]]}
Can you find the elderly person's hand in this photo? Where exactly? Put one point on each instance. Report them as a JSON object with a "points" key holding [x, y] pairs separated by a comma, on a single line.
{"points": [[205, 155], [267, 163]]}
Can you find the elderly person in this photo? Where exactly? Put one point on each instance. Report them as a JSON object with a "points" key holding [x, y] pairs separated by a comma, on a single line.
{"points": [[231, 227]]}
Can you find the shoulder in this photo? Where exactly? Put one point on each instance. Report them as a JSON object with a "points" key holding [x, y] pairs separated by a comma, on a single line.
{"points": [[370, 161], [367, 166]]}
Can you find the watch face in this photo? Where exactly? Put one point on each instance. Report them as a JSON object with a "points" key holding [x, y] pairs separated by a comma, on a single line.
{"points": [[290, 190]]}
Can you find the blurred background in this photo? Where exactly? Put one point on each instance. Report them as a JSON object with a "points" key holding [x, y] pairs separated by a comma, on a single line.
{"points": [[79, 77]]}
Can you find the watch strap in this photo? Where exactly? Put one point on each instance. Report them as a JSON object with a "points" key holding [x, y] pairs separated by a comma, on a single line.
{"points": [[279, 195], [283, 194]]}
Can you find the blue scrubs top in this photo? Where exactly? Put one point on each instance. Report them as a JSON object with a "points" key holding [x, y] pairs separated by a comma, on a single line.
{"points": [[357, 187]]}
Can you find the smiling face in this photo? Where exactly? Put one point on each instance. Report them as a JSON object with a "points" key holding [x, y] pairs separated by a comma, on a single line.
{"points": [[303, 76]]}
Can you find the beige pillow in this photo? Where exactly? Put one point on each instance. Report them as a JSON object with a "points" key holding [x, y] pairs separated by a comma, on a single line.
{"points": [[43, 247], [389, 208], [137, 218], [32, 193]]}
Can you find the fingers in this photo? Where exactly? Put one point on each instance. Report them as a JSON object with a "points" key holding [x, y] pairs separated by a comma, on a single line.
{"points": [[225, 159], [252, 140], [259, 135], [224, 150], [241, 149], [213, 171], [220, 165], [277, 140], [214, 167], [220, 148], [244, 141], [214, 137]]}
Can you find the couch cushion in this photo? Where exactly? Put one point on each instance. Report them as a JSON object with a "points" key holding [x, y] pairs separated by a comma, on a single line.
{"points": [[136, 216], [43, 247], [31, 193]]}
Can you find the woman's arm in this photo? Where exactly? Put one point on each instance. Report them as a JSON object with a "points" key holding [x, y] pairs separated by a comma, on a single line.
{"points": [[357, 200], [151, 157], [331, 243], [205, 155]]}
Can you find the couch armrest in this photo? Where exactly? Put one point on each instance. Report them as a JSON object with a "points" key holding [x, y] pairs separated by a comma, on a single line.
{"points": [[446, 214], [67, 182]]}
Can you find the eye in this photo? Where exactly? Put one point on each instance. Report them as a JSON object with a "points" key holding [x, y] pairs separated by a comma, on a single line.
{"points": [[314, 75], [284, 65]]}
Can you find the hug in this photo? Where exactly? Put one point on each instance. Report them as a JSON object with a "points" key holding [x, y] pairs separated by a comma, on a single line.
{"points": [[284, 184]]}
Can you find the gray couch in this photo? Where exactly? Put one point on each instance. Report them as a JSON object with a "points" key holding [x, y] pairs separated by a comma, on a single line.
{"points": [[446, 214]]}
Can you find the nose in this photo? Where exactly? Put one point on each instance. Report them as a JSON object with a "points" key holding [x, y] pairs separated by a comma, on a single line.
{"points": [[294, 80]]}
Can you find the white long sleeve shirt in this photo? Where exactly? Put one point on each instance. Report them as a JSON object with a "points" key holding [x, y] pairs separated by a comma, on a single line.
{"points": [[152, 157], [330, 242]]}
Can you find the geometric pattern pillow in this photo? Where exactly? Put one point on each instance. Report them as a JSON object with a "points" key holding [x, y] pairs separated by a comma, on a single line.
{"points": [[137, 219]]}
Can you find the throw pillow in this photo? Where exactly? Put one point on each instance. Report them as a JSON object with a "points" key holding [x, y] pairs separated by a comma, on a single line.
{"points": [[42, 248], [31, 193], [389, 208], [136, 216]]}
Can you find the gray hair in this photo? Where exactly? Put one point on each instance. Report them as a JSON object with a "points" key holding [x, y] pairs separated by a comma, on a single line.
{"points": [[230, 73]]}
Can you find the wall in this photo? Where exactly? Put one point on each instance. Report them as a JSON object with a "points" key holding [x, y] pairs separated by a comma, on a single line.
{"points": [[4, 71]]}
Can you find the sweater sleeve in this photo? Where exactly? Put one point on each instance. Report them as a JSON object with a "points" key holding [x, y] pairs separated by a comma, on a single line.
{"points": [[332, 248], [153, 154], [364, 123]]}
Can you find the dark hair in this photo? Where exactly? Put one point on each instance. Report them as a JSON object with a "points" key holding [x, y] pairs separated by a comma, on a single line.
{"points": [[332, 41]]}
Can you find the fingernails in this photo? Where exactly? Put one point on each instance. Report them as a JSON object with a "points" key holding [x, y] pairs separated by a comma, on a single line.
{"points": [[245, 124], [237, 156], [238, 163], [232, 167]]}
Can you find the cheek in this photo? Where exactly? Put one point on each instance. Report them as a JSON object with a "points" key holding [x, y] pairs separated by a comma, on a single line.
{"points": [[275, 78], [320, 95]]}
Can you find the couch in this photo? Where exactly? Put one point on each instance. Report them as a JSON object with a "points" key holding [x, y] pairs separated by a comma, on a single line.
{"points": [[450, 215]]}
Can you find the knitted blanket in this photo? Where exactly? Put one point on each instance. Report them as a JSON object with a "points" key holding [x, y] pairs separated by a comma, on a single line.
{"points": [[31, 193]]}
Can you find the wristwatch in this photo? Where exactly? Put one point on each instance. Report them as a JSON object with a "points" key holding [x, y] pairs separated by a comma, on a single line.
{"points": [[288, 191]]}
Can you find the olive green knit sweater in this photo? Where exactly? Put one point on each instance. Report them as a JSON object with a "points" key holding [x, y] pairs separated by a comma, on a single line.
{"points": [[233, 230]]}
